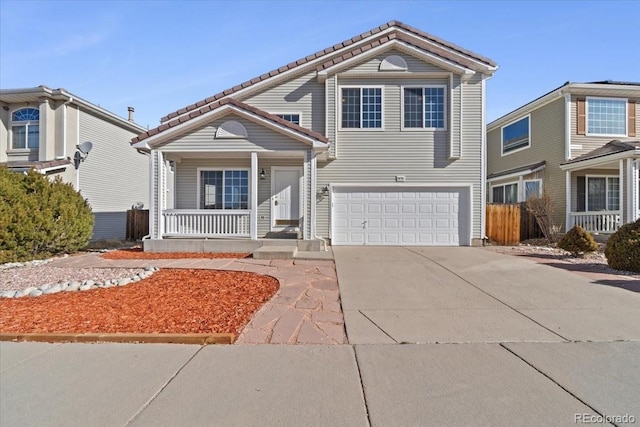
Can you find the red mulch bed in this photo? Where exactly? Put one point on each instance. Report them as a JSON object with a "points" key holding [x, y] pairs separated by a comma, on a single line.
{"points": [[138, 253], [170, 301]]}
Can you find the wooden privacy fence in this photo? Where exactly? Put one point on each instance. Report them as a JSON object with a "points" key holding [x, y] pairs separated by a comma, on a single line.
{"points": [[510, 224], [137, 224]]}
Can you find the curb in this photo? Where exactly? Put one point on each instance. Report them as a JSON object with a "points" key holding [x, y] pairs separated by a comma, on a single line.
{"points": [[200, 339]]}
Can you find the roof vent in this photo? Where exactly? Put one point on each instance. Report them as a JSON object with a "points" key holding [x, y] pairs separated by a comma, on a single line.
{"points": [[231, 129], [393, 63], [131, 110]]}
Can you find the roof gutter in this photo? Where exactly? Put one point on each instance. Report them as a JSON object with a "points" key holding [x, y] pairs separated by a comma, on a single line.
{"points": [[599, 160]]}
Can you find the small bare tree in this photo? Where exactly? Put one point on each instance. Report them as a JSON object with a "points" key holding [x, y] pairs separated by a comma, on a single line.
{"points": [[542, 209]]}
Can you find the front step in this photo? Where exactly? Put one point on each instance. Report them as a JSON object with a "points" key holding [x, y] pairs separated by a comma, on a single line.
{"points": [[275, 252]]}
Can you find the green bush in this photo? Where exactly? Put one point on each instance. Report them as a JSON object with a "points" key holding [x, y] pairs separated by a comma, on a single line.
{"points": [[578, 241], [40, 217], [623, 248]]}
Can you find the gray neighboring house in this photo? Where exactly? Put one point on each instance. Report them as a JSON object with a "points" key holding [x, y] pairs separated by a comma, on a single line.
{"points": [[378, 140], [42, 128], [579, 144]]}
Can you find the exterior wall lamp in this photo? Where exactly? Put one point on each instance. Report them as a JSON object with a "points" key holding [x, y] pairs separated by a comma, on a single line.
{"points": [[263, 174]]}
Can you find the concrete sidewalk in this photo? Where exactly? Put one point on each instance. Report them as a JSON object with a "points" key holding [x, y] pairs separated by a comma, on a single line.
{"points": [[379, 385]]}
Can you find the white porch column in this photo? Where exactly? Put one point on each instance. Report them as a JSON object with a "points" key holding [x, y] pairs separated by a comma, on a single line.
{"points": [[633, 207], [160, 172], [622, 191], [313, 170], [254, 196], [152, 205], [567, 193]]}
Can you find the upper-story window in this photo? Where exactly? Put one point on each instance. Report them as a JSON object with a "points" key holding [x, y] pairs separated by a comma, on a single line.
{"points": [[425, 107], [293, 118], [25, 129], [515, 135], [607, 116], [362, 107]]}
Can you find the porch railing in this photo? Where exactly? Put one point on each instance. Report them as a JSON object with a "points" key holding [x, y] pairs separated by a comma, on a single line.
{"points": [[597, 222], [206, 223]]}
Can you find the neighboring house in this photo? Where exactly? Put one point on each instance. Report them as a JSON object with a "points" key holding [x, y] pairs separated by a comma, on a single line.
{"points": [[579, 144], [377, 140], [42, 128]]}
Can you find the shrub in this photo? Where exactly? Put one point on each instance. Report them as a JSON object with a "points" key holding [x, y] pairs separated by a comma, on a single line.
{"points": [[578, 241], [39, 217], [542, 209], [623, 248]]}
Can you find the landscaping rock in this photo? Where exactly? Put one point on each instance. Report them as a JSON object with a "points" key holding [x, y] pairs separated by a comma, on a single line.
{"points": [[124, 281], [8, 294], [35, 293], [84, 287], [52, 290]]}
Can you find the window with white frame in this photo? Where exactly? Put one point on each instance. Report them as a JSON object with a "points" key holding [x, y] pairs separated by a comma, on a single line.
{"points": [[424, 107], [515, 136], [607, 116], [603, 193], [507, 193], [25, 129], [293, 118], [224, 189], [532, 188], [362, 107]]}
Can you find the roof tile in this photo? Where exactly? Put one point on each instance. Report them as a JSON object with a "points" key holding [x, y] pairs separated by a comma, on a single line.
{"points": [[390, 24]]}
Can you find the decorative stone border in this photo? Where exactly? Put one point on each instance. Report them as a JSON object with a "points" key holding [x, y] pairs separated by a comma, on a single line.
{"points": [[33, 263], [72, 286]]}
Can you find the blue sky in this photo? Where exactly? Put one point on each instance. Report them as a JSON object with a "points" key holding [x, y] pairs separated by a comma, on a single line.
{"points": [[161, 56]]}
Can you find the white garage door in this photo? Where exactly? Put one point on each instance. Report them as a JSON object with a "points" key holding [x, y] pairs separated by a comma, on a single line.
{"points": [[400, 216]]}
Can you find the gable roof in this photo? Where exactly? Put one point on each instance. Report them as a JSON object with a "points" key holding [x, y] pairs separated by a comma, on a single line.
{"points": [[431, 43], [33, 94], [612, 147], [600, 88], [241, 106]]}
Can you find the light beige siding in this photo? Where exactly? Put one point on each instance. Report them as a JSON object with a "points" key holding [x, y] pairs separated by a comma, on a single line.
{"points": [[547, 143], [414, 65], [113, 177], [259, 139], [303, 95], [422, 156]]}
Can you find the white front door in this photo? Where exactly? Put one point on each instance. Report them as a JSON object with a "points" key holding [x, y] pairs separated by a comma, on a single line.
{"points": [[285, 206]]}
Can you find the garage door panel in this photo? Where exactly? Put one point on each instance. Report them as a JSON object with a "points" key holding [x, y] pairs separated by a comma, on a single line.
{"points": [[413, 216]]}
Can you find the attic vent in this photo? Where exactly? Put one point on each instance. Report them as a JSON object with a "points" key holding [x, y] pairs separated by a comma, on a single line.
{"points": [[393, 63], [231, 129]]}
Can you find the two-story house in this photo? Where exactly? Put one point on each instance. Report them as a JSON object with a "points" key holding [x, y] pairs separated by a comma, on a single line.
{"points": [[60, 134], [577, 143], [376, 140]]}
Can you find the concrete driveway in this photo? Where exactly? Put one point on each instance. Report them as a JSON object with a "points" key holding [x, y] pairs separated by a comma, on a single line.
{"points": [[460, 295], [490, 339]]}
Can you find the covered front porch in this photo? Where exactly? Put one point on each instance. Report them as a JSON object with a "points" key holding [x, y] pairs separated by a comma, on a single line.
{"points": [[603, 188], [232, 172], [234, 195]]}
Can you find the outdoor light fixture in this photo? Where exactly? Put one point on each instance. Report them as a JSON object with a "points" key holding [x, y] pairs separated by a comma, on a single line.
{"points": [[263, 174]]}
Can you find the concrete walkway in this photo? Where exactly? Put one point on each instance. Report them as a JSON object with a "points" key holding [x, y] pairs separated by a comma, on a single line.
{"points": [[503, 341], [305, 310]]}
